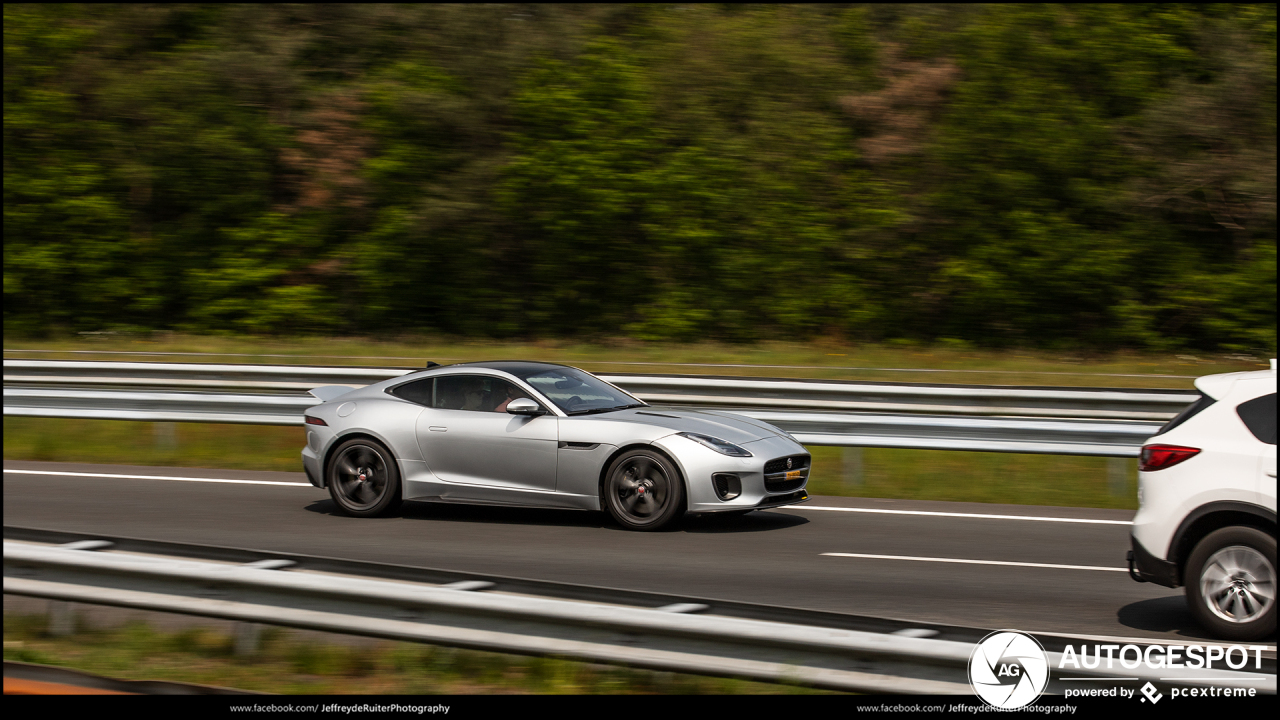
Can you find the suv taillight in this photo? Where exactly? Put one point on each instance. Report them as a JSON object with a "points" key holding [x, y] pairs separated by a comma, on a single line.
{"points": [[1159, 457]]}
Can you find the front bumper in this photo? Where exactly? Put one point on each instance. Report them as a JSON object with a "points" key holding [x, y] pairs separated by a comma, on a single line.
{"points": [[699, 465], [1145, 567], [780, 500]]}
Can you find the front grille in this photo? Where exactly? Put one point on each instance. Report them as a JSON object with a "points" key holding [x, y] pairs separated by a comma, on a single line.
{"points": [[782, 485], [776, 472], [780, 464]]}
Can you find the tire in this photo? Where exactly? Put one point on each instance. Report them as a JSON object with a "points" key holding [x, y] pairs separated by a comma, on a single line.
{"points": [[1231, 583], [363, 478], [643, 490]]}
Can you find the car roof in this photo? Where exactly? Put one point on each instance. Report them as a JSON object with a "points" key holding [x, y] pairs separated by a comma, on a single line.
{"points": [[1219, 386], [519, 368]]}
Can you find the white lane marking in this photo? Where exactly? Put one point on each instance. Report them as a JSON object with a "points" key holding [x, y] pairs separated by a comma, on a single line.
{"points": [[962, 515], [155, 477], [975, 562]]}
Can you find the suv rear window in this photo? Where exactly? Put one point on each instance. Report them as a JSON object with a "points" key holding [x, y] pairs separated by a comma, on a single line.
{"points": [[1191, 410], [1259, 415]]}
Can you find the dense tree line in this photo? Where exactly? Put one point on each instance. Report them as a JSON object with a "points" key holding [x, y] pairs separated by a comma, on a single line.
{"points": [[1077, 175]]}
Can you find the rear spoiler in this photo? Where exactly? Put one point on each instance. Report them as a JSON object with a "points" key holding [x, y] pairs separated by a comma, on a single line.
{"points": [[329, 392]]}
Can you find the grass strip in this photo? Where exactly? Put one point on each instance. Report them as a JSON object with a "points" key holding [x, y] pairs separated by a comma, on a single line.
{"points": [[289, 663]]}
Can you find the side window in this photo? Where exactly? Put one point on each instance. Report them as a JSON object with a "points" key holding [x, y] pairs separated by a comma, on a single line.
{"points": [[479, 393], [1187, 413], [418, 391], [459, 392], [504, 392], [1259, 415]]}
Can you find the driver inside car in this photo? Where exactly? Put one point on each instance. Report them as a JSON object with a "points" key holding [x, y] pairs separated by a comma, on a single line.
{"points": [[513, 393], [473, 395]]}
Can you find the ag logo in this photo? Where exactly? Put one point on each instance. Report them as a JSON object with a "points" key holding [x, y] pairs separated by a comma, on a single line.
{"points": [[1008, 669]]}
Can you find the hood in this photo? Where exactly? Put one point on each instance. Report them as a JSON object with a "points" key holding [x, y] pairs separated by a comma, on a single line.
{"points": [[726, 426]]}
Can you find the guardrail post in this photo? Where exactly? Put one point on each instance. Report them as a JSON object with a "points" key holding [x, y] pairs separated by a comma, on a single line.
{"points": [[62, 618], [851, 460], [165, 434], [1118, 476], [248, 638]]}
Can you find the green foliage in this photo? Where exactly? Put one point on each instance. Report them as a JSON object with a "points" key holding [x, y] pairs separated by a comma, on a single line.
{"points": [[290, 662], [1097, 176]]}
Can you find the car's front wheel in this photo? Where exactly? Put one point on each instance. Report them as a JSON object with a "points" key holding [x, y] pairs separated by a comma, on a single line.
{"points": [[363, 478], [643, 490], [1231, 583]]}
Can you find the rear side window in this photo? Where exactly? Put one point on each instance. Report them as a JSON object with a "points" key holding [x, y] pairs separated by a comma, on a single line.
{"points": [[1259, 415], [418, 391], [1191, 411]]}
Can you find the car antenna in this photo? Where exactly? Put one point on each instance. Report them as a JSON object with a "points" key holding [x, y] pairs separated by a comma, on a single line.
{"points": [[432, 364]]}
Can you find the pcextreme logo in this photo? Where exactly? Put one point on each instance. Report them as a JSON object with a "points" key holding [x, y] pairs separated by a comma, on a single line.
{"points": [[1008, 669]]}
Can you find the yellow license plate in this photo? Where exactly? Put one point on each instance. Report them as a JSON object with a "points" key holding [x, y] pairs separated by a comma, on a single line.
{"points": [[795, 474]]}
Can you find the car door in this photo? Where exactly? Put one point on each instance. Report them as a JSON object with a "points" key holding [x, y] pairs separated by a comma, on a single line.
{"points": [[466, 441]]}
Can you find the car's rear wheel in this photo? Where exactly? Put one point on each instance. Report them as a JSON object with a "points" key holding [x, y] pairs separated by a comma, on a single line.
{"points": [[643, 490], [1231, 583], [363, 478]]}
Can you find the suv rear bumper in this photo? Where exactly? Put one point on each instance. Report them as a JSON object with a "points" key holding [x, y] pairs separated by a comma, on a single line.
{"points": [[1145, 567]]}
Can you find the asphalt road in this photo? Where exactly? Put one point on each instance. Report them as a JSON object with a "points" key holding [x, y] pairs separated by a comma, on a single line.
{"points": [[775, 557]]}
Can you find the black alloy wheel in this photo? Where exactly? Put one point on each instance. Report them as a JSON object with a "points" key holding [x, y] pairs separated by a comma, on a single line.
{"points": [[643, 490], [363, 478]]}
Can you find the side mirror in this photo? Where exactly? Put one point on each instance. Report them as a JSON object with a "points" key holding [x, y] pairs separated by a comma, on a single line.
{"points": [[524, 406]]}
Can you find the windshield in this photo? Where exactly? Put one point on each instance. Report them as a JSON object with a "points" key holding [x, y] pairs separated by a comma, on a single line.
{"points": [[578, 393]]}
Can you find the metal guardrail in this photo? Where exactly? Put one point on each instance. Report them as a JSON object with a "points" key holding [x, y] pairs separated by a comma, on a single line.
{"points": [[1104, 422], [188, 376], [462, 615], [745, 392]]}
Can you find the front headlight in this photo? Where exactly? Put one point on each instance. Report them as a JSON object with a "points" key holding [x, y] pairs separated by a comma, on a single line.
{"points": [[720, 446]]}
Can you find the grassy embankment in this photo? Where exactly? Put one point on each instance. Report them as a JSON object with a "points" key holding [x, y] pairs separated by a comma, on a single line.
{"points": [[871, 472], [290, 664]]}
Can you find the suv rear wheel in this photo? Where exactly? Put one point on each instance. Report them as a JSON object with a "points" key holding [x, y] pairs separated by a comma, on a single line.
{"points": [[1231, 583]]}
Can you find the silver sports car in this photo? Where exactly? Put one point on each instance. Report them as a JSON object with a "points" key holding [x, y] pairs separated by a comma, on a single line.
{"points": [[541, 435]]}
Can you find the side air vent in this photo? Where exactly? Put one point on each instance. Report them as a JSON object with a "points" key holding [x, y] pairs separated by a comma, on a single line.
{"points": [[728, 486]]}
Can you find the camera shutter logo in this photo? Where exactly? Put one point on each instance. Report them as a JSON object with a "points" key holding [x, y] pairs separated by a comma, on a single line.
{"points": [[1008, 669]]}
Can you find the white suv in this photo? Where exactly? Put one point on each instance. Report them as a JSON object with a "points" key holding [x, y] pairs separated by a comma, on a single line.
{"points": [[1207, 505]]}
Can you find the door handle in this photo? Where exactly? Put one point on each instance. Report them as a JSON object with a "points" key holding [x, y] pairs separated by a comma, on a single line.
{"points": [[439, 428]]}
